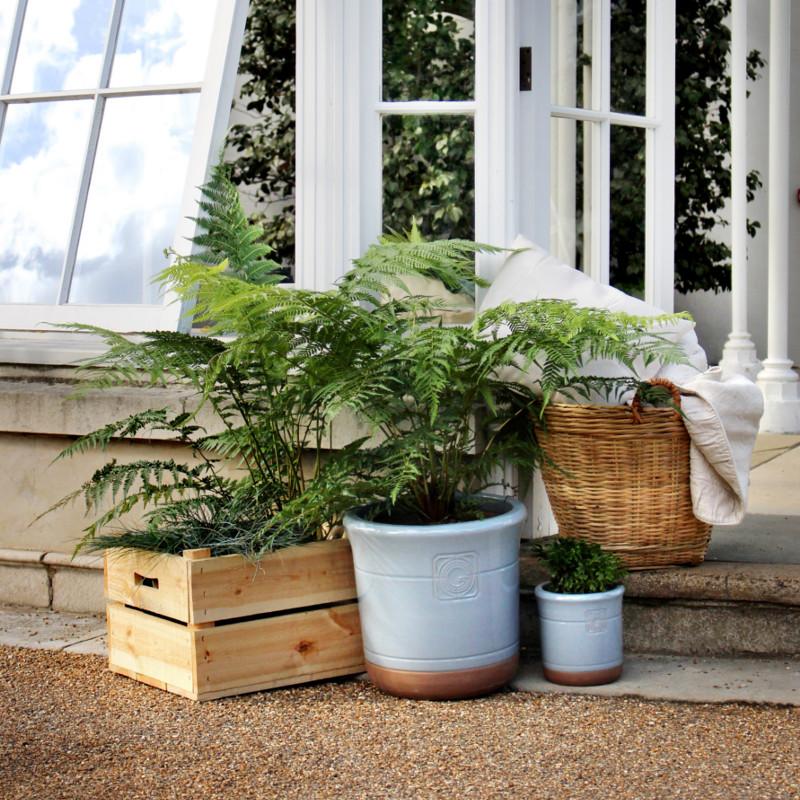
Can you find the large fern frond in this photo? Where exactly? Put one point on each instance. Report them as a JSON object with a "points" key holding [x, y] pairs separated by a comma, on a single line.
{"points": [[227, 235]]}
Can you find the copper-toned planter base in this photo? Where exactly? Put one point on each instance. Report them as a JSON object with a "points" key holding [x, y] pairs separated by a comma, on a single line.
{"points": [[594, 678], [450, 685]]}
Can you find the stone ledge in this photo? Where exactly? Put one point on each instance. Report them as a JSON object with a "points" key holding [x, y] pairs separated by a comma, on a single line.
{"points": [[53, 408], [45, 403], [777, 584], [73, 562], [8, 556], [35, 558], [52, 580]]}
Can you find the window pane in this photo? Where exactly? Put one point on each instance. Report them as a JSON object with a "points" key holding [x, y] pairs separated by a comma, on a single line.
{"points": [[429, 175], [163, 41], [627, 209], [40, 163], [570, 198], [134, 199], [628, 56], [571, 23], [62, 45], [429, 52], [262, 139]]}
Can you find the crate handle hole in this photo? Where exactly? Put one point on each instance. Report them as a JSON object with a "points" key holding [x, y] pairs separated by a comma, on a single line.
{"points": [[143, 580]]}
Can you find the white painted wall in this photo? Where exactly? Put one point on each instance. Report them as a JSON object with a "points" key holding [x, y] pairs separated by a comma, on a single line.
{"points": [[711, 311]]}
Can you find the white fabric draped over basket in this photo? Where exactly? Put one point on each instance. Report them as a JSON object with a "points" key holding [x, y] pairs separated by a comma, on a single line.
{"points": [[721, 416]]}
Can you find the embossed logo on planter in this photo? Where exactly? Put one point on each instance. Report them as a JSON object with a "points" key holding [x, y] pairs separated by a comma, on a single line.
{"points": [[596, 620], [455, 576]]}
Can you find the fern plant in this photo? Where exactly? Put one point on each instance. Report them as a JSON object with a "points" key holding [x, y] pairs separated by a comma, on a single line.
{"points": [[270, 426], [452, 406], [226, 235], [579, 567]]}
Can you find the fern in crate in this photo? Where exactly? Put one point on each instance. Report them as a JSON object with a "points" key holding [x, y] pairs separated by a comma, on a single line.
{"points": [[265, 425]]}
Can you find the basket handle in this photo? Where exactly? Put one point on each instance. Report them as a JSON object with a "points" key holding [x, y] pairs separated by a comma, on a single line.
{"points": [[636, 403]]}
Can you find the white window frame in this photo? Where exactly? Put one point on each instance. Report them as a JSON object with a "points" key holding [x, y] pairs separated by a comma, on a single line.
{"points": [[339, 172], [658, 123], [339, 80], [215, 96]]}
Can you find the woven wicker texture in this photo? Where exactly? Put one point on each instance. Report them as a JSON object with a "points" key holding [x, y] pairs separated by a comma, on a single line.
{"points": [[622, 484]]}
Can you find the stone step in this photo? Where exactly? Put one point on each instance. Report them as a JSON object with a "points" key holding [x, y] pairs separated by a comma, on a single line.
{"points": [[685, 679], [718, 608]]}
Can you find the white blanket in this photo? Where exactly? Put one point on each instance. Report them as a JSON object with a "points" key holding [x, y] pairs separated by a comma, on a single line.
{"points": [[721, 416]]}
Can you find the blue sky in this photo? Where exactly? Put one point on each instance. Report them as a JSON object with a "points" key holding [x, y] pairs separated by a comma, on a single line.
{"points": [[139, 173]]}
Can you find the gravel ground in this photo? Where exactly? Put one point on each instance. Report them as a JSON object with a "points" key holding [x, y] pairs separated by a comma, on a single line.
{"points": [[70, 729]]}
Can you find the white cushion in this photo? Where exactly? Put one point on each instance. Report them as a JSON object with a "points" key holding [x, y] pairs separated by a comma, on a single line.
{"points": [[532, 273]]}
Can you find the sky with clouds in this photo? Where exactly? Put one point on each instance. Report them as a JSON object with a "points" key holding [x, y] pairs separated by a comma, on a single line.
{"points": [[139, 171]]}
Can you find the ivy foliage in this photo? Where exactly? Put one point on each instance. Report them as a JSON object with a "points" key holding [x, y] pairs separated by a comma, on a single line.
{"points": [[579, 567], [703, 143], [428, 162]]}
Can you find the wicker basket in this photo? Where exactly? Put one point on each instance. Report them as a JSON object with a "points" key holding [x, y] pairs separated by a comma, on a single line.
{"points": [[619, 476]]}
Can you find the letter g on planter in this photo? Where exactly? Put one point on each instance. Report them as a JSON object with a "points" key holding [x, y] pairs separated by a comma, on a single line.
{"points": [[439, 604]]}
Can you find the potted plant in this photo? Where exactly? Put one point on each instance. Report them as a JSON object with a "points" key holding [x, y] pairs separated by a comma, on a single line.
{"points": [[436, 558], [215, 543], [580, 612]]}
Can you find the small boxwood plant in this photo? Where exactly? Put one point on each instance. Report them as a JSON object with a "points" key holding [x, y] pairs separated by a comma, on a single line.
{"points": [[579, 567]]}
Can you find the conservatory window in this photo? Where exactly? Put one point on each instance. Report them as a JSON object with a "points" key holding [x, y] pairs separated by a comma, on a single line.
{"points": [[612, 90], [110, 111]]}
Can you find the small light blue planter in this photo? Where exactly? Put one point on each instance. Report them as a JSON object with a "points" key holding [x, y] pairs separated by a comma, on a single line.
{"points": [[581, 636], [439, 604]]}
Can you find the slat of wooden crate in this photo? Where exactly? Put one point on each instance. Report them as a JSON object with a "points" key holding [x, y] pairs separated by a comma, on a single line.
{"points": [[226, 587], [151, 647], [153, 581], [293, 680], [277, 651], [146, 679]]}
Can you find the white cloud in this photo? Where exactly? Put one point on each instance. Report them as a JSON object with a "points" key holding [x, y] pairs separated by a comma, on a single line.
{"points": [[163, 41], [48, 45], [139, 172], [135, 195]]}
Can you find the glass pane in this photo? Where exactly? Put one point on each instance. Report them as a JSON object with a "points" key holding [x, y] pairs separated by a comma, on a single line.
{"points": [[40, 164], [629, 56], [429, 52], [134, 200], [570, 198], [62, 45], [571, 23], [262, 138], [627, 236], [429, 176], [163, 41]]}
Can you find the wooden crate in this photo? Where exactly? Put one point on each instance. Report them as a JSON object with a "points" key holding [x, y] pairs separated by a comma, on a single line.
{"points": [[206, 627]]}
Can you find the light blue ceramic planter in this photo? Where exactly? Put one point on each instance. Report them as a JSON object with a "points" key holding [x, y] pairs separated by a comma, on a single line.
{"points": [[581, 636], [439, 604]]}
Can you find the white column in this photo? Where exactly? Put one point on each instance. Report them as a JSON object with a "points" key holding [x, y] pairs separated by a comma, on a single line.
{"points": [[563, 144], [659, 280], [778, 381], [496, 141], [338, 136], [739, 354]]}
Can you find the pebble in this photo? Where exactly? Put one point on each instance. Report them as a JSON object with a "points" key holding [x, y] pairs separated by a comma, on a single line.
{"points": [[71, 729]]}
